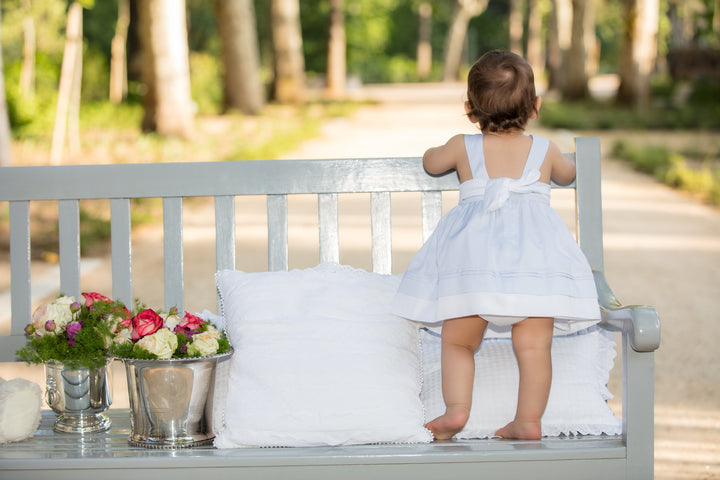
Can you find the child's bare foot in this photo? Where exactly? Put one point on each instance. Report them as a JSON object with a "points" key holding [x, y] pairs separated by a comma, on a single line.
{"points": [[521, 430], [446, 426]]}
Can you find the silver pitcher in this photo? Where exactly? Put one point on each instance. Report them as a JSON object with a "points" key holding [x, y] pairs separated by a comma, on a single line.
{"points": [[171, 401], [80, 396]]}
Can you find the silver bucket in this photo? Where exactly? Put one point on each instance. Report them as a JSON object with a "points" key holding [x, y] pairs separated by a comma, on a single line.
{"points": [[80, 396], [171, 401]]}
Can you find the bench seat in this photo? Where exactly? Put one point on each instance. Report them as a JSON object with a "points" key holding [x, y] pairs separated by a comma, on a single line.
{"points": [[107, 455]]}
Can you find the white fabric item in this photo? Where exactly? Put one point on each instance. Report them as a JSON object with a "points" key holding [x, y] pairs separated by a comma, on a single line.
{"points": [[20, 403], [578, 395], [319, 360], [502, 251]]}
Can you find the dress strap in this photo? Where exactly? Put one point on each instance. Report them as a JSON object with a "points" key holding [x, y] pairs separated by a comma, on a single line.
{"points": [[536, 157], [476, 156]]}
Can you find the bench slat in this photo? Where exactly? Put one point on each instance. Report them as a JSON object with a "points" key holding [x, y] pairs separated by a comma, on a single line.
{"points": [[121, 245], [225, 232], [69, 246], [277, 233], [328, 227], [381, 222], [20, 266], [173, 254]]}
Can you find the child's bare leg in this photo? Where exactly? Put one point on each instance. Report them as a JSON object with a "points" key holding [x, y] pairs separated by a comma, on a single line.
{"points": [[461, 337], [531, 339]]}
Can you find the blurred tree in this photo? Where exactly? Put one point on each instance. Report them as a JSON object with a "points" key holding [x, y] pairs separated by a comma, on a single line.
{"points": [[534, 51], [68, 101], [575, 64], [639, 52], [424, 46], [118, 55], [243, 89], [165, 68], [559, 35], [5, 156], [288, 51], [27, 72], [337, 46], [517, 27], [464, 11]]}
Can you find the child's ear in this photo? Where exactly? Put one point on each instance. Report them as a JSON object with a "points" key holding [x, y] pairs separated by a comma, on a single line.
{"points": [[536, 110], [468, 111]]}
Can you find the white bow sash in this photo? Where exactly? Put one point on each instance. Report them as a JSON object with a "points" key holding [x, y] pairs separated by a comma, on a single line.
{"points": [[498, 190]]}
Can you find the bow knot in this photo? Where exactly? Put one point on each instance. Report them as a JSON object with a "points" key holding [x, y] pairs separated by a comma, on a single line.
{"points": [[497, 190]]}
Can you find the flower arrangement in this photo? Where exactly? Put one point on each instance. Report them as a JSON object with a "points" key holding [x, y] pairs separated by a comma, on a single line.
{"points": [[84, 334], [78, 334], [150, 334]]}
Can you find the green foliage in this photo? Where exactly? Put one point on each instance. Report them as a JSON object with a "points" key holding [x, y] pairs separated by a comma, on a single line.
{"points": [[650, 159], [606, 115], [206, 83], [672, 169]]}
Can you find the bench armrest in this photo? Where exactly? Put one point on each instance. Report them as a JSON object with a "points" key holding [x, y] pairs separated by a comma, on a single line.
{"points": [[640, 322]]}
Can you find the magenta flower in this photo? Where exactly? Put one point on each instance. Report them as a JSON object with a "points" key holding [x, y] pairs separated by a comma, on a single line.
{"points": [[50, 325], [72, 330], [29, 329]]}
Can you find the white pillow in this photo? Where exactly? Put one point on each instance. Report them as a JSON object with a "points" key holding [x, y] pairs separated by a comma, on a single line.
{"points": [[578, 394], [319, 360]]}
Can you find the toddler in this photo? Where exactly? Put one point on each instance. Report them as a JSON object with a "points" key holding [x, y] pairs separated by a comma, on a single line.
{"points": [[502, 255]]}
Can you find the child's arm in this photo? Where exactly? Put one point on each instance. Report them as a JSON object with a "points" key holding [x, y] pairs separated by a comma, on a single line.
{"points": [[563, 169], [440, 159]]}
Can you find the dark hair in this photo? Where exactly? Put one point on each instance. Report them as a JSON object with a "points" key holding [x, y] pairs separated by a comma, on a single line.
{"points": [[501, 91]]}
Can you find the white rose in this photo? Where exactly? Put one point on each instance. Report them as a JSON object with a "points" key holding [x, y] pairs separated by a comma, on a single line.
{"points": [[123, 336], [205, 343], [58, 311], [171, 321], [161, 343], [39, 318]]}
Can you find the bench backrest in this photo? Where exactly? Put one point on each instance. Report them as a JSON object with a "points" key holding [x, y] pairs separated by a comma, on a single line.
{"points": [[223, 181]]}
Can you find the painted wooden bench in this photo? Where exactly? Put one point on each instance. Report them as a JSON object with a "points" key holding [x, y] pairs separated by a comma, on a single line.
{"points": [[107, 455]]}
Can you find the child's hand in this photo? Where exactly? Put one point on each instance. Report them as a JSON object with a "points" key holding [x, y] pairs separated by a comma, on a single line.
{"points": [[446, 157]]}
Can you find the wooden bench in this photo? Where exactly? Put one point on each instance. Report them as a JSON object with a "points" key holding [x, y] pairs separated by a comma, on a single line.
{"points": [[107, 455]]}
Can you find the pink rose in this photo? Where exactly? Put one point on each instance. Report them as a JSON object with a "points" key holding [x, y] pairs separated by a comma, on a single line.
{"points": [[145, 323], [92, 297], [190, 324]]}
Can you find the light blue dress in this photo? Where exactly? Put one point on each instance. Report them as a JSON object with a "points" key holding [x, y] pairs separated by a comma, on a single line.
{"points": [[502, 252]]}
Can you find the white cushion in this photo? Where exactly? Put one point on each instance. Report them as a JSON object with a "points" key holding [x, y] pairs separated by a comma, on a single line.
{"points": [[578, 395], [319, 360]]}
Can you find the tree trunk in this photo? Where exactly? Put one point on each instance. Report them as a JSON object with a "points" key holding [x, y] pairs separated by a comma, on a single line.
{"points": [[576, 87], [67, 91], [5, 138], [118, 55], [27, 71], [560, 28], [424, 48], [336, 59], [639, 52], [165, 68], [516, 26], [534, 39], [465, 10], [288, 50], [242, 85]]}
